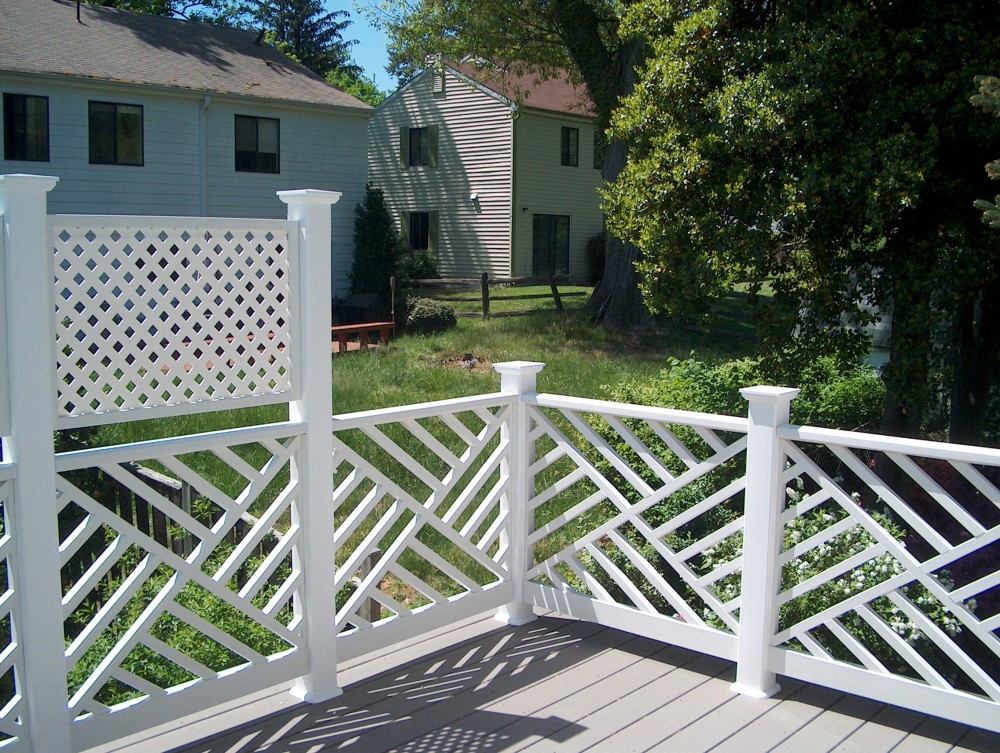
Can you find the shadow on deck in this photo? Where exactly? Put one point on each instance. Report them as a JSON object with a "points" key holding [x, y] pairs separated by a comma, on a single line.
{"points": [[556, 684]]}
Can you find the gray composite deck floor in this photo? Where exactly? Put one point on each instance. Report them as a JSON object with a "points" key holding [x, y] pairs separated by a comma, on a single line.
{"points": [[556, 684]]}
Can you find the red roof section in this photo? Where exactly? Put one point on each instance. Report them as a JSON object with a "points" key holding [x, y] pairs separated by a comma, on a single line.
{"points": [[557, 94]]}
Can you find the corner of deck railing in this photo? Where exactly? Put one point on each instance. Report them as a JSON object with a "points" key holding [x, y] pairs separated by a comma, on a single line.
{"points": [[518, 377]]}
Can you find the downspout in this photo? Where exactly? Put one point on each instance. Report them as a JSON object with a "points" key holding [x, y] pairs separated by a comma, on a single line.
{"points": [[203, 157]]}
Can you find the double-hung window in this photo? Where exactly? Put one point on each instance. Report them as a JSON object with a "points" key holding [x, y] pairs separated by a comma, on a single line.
{"points": [[25, 127], [570, 146], [420, 231], [257, 145], [115, 134], [418, 147]]}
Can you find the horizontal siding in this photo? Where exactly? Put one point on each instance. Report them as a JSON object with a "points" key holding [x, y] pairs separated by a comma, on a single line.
{"points": [[474, 157], [544, 186], [319, 149], [167, 182]]}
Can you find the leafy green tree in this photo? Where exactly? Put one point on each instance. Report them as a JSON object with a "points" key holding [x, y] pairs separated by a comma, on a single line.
{"points": [[829, 149], [357, 85], [545, 39]]}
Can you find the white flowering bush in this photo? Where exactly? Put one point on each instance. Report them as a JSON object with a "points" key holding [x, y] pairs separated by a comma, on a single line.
{"points": [[827, 554]]}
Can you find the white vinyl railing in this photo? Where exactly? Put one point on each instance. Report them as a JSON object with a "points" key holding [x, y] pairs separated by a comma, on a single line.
{"points": [[123, 606], [427, 488], [865, 563]]}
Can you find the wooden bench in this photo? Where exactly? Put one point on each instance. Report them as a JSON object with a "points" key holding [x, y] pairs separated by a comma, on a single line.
{"points": [[341, 333]]}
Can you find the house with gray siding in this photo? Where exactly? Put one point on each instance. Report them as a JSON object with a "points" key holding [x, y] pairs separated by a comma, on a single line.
{"points": [[143, 114], [491, 172]]}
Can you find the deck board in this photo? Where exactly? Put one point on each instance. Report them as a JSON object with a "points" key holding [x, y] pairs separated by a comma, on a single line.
{"points": [[556, 684]]}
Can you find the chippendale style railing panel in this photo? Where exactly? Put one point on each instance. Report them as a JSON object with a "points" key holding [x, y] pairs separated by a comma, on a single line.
{"points": [[156, 312], [162, 595], [421, 496], [890, 565], [629, 505], [13, 728]]}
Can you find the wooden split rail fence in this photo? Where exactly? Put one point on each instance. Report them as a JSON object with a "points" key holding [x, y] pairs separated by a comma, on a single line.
{"points": [[486, 282]]}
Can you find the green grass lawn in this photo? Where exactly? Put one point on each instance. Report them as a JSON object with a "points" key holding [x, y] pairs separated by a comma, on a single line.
{"points": [[580, 359], [511, 299]]}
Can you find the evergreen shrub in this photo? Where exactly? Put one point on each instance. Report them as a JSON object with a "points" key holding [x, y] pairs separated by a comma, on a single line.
{"points": [[427, 317]]}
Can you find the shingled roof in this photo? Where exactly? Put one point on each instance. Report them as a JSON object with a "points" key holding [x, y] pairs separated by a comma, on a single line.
{"points": [[556, 94], [44, 37]]}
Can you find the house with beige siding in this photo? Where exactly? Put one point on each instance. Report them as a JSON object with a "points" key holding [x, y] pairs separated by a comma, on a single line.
{"points": [[491, 172], [143, 114]]}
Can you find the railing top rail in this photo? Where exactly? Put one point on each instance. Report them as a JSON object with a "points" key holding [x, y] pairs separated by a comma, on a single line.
{"points": [[167, 221], [627, 410], [77, 459], [346, 421], [903, 446]]}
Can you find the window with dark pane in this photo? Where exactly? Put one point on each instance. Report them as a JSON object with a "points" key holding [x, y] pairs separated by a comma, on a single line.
{"points": [[115, 134], [25, 127], [257, 144], [570, 146]]}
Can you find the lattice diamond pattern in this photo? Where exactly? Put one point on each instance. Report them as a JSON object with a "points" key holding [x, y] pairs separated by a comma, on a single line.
{"points": [[154, 316], [161, 594], [12, 704], [425, 494], [890, 565], [626, 509]]}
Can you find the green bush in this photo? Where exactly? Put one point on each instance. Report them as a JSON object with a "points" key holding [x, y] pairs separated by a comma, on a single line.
{"points": [[830, 396], [420, 265], [427, 317]]}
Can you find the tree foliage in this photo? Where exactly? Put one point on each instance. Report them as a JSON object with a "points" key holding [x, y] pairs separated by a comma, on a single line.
{"points": [[357, 85], [828, 148], [310, 33], [546, 39], [988, 99]]}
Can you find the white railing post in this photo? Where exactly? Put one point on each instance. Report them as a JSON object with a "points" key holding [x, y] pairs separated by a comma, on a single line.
{"points": [[518, 378], [762, 539], [30, 302], [313, 468]]}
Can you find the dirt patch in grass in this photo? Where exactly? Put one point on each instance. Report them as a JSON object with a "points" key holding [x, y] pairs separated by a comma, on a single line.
{"points": [[467, 361]]}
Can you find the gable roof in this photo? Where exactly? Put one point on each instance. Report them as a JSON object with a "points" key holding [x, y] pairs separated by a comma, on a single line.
{"points": [[43, 37], [553, 95]]}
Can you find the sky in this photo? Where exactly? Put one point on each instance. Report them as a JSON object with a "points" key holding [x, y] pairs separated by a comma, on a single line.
{"points": [[370, 51]]}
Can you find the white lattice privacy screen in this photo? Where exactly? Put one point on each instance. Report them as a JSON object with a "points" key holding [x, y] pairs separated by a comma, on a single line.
{"points": [[149, 316]]}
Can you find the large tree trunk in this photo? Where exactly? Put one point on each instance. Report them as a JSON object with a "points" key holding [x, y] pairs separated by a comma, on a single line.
{"points": [[617, 302]]}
